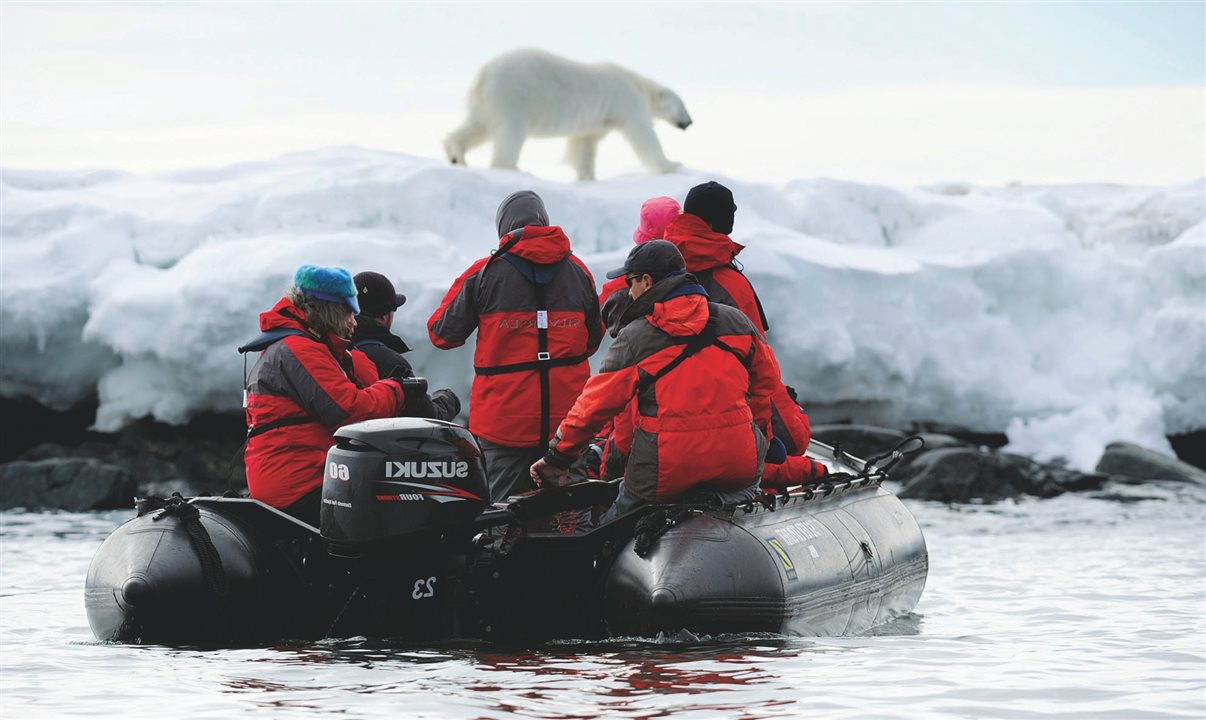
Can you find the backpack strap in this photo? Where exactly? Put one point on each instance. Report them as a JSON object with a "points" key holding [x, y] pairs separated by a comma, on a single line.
{"points": [[496, 254], [693, 345], [540, 276], [279, 423], [537, 364]]}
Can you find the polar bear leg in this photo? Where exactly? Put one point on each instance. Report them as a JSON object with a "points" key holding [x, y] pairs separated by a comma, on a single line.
{"points": [[508, 140], [646, 146], [469, 135], [580, 153]]}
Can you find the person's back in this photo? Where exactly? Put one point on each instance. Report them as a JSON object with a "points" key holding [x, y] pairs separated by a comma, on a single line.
{"points": [[701, 376], [534, 307], [696, 416], [701, 233]]}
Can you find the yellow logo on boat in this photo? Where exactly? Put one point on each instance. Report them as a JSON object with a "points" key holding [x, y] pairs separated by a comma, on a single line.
{"points": [[784, 559]]}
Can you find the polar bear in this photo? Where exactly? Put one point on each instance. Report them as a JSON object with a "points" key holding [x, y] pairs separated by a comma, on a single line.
{"points": [[533, 92]]}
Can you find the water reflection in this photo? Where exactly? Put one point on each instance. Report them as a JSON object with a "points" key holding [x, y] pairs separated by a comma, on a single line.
{"points": [[631, 678], [627, 678]]}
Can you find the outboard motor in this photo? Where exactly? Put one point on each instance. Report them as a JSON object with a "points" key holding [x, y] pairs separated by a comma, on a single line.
{"points": [[397, 483], [399, 500]]}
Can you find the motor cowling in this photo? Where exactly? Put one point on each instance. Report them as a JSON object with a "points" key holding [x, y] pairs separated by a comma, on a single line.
{"points": [[388, 481]]}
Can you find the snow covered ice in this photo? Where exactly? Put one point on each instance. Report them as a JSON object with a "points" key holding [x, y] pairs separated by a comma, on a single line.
{"points": [[1068, 316]]}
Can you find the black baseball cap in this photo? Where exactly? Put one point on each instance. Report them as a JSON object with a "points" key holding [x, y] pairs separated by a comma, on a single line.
{"points": [[656, 257], [376, 294]]}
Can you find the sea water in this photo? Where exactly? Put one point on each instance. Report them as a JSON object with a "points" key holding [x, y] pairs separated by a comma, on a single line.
{"points": [[1087, 606]]}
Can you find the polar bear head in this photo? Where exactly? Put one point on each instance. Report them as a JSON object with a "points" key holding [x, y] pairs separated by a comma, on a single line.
{"points": [[667, 105]]}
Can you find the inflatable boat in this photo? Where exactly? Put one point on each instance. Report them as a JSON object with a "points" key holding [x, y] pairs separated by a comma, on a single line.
{"points": [[409, 549]]}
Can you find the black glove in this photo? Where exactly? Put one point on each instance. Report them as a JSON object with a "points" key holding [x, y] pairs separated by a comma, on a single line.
{"points": [[417, 402], [447, 404], [402, 373], [400, 370], [791, 393], [592, 458]]}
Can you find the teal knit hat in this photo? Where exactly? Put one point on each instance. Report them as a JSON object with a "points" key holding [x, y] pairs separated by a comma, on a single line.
{"points": [[333, 284]]}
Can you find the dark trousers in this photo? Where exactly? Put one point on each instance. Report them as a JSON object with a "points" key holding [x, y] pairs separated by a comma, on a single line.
{"points": [[508, 472], [507, 468]]}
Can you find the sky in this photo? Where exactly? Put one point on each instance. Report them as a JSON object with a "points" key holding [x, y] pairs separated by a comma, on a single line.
{"points": [[894, 93]]}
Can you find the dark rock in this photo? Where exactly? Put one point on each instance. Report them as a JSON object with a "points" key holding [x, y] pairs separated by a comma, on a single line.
{"points": [[24, 423], [862, 441], [972, 437], [866, 442], [1190, 447], [75, 484], [964, 474], [933, 441], [200, 458], [1138, 463]]}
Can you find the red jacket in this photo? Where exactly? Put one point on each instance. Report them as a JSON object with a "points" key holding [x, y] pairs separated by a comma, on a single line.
{"points": [[709, 256], [795, 470], [514, 388], [319, 383], [702, 422]]}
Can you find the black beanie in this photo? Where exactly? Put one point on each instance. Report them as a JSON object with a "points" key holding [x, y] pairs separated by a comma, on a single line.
{"points": [[712, 203]]}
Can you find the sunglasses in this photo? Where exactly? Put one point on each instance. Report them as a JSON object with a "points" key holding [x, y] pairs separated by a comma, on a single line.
{"points": [[630, 279]]}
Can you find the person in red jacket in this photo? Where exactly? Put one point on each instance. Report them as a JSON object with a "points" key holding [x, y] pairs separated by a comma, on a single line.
{"points": [[702, 377], [378, 302], [656, 214], [304, 386], [701, 233], [534, 308]]}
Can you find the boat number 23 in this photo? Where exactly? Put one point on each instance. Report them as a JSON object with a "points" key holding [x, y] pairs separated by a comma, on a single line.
{"points": [[424, 588]]}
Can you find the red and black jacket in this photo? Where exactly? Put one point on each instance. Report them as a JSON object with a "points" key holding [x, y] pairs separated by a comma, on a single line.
{"points": [[534, 308], [300, 391], [701, 416], [710, 257]]}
